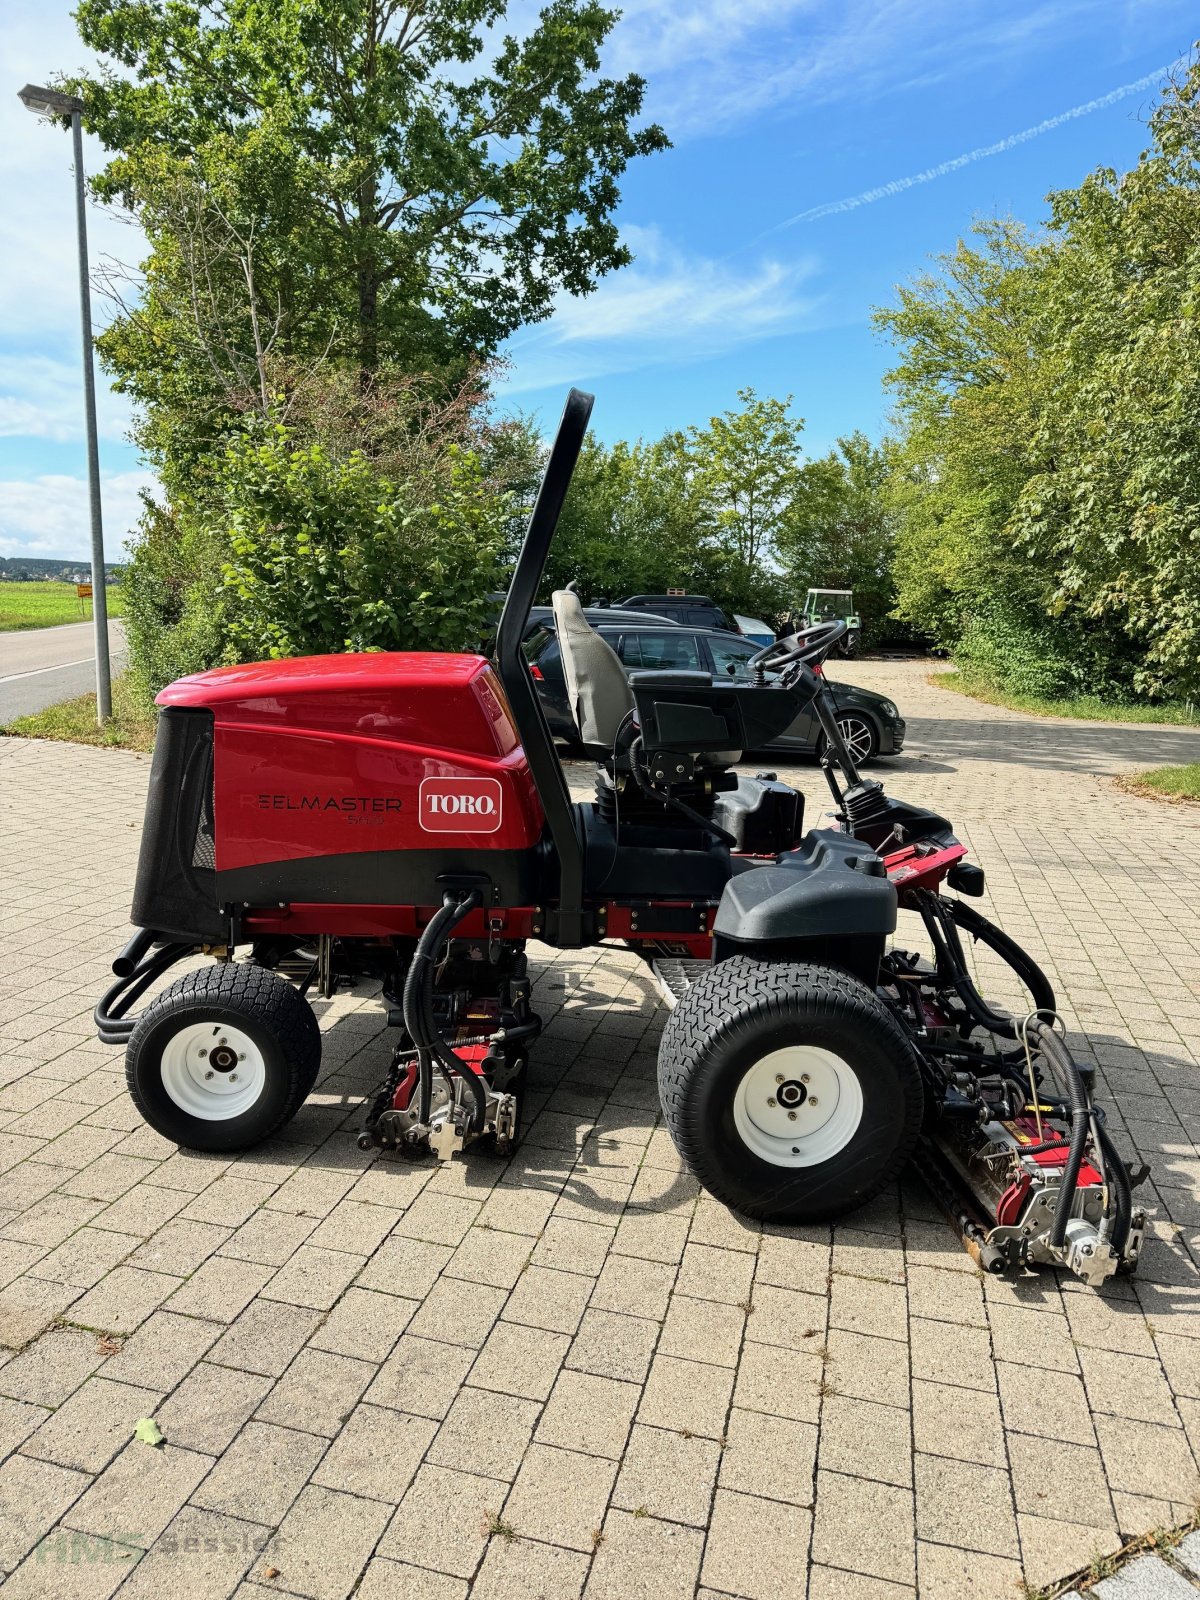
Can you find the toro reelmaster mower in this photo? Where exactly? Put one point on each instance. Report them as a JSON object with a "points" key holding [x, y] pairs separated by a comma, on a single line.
{"points": [[406, 816]]}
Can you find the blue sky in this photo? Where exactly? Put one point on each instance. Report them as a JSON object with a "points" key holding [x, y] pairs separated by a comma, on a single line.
{"points": [[775, 109]]}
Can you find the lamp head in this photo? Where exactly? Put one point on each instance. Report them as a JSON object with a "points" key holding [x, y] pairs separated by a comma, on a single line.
{"points": [[49, 102]]}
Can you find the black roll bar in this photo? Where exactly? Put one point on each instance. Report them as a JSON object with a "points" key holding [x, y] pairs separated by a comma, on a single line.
{"points": [[527, 710]]}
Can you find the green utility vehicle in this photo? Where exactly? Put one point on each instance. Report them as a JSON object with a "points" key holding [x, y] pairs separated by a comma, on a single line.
{"points": [[834, 605]]}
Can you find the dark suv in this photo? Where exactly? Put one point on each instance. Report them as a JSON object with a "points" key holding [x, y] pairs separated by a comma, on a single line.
{"points": [[871, 725], [690, 610]]}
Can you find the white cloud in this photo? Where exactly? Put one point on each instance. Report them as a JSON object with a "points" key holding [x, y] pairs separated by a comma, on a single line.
{"points": [[711, 64], [42, 398], [48, 515], [40, 393], [666, 307]]}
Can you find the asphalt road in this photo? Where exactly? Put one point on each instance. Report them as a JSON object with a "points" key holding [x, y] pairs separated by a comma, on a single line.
{"points": [[41, 666]]}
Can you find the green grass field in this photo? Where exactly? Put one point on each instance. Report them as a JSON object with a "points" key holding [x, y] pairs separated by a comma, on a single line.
{"points": [[1087, 708], [130, 728], [1167, 783], [47, 605]]}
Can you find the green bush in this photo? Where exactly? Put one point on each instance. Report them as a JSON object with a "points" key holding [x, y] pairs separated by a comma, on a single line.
{"points": [[328, 555], [174, 617]]}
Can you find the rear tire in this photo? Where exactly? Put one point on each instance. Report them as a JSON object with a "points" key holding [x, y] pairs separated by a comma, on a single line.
{"points": [[223, 1058], [742, 1058]]}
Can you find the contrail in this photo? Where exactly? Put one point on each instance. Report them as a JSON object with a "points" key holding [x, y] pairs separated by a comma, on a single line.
{"points": [[898, 185]]}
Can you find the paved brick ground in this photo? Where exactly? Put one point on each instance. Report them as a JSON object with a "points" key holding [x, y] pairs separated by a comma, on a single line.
{"points": [[572, 1374]]}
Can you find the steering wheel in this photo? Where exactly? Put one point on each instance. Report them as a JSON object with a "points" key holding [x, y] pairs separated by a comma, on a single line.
{"points": [[806, 647]]}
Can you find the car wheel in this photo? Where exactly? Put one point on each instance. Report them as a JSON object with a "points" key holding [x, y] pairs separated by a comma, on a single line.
{"points": [[859, 733]]}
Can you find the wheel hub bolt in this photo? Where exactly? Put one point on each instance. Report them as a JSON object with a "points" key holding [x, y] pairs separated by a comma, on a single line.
{"points": [[779, 1077], [791, 1116], [208, 1075], [233, 1077], [812, 1099], [771, 1100], [203, 1053], [805, 1077]]}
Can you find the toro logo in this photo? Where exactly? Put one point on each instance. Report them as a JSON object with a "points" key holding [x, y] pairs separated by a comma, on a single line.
{"points": [[460, 805]]}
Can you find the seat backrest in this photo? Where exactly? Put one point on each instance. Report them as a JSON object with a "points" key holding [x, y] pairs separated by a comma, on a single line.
{"points": [[597, 689]]}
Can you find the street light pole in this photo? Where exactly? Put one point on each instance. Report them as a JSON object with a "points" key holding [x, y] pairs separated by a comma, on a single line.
{"points": [[53, 103]]}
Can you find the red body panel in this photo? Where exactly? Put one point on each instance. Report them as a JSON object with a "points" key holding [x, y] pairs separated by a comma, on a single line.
{"points": [[329, 755]]}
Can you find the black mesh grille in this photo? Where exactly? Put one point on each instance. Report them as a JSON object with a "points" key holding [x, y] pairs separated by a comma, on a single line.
{"points": [[203, 848], [175, 892]]}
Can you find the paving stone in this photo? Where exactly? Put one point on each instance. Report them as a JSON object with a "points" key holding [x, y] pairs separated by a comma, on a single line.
{"points": [[864, 1526], [420, 1376], [356, 1227], [667, 1475], [385, 1580], [1128, 1386], [1051, 1549], [612, 1346], [269, 1238], [138, 1494], [488, 1256], [376, 1454], [324, 1542], [703, 1330], [1050, 1404], [515, 1567], [406, 1267], [945, 1573], [420, 1531], [560, 1496], [772, 1457], [860, 1306], [866, 1440], [1054, 1479], [88, 1429], [944, 1353], [51, 1368], [178, 1247], [1144, 1458], [210, 1406], [652, 1236], [364, 1323], [33, 1495], [485, 1433], [1147, 1578], [265, 1337], [519, 1360], [757, 1548], [861, 1368], [551, 1300], [949, 1495], [261, 1473], [220, 1290], [646, 1557], [313, 1277], [317, 1392], [635, 1288], [781, 1382], [1187, 1553], [458, 1312], [943, 1426], [589, 1414], [689, 1396]]}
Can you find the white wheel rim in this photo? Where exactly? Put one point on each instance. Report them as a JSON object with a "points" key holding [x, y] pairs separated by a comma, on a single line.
{"points": [[798, 1106], [857, 736], [212, 1071]]}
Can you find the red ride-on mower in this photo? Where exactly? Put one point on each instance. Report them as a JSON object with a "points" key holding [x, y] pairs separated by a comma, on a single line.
{"points": [[406, 816]]}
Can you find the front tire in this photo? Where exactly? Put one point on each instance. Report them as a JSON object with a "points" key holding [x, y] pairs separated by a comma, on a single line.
{"points": [[791, 1091], [223, 1058]]}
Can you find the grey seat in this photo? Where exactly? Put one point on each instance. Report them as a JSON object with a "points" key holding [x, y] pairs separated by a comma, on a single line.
{"points": [[598, 691]]}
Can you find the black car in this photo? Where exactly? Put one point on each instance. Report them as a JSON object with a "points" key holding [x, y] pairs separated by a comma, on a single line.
{"points": [[689, 610], [870, 723]]}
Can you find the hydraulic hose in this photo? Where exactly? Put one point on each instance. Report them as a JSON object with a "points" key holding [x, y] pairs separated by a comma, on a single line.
{"points": [[1081, 1120], [417, 1009], [1118, 1181]]}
